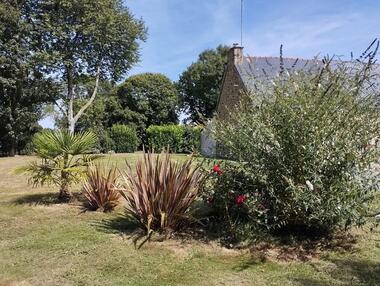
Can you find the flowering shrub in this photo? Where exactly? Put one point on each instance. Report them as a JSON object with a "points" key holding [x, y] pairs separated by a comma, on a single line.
{"points": [[236, 202], [303, 149]]}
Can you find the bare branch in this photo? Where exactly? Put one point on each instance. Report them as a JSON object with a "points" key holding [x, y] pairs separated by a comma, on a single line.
{"points": [[64, 112], [92, 98]]}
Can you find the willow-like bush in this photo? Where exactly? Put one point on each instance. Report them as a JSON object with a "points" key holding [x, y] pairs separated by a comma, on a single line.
{"points": [[306, 141]]}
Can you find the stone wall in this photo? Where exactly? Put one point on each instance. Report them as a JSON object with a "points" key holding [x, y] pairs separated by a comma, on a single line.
{"points": [[231, 92]]}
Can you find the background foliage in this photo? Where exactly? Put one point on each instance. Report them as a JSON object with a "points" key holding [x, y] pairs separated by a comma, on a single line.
{"points": [[23, 87], [124, 139], [178, 138], [148, 99], [199, 85]]}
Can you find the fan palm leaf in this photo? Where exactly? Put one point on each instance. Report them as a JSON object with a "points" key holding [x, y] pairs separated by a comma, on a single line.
{"points": [[63, 158]]}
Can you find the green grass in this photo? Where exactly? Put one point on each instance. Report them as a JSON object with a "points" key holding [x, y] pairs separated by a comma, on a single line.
{"points": [[44, 243]]}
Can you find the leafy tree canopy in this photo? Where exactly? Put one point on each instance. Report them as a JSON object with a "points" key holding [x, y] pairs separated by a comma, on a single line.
{"points": [[149, 98], [87, 38], [199, 85], [23, 87]]}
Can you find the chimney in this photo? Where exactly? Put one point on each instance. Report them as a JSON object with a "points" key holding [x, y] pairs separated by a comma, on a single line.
{"points": [[235, 55]]}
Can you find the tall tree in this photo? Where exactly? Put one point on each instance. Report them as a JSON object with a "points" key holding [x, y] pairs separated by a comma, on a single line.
{"points": [[148, 99], [86, 38], [23, 87], [199, 85]]}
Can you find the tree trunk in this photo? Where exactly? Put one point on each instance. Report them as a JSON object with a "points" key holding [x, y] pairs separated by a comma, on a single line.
{"points": [[72, 120], [12, 149], [70, 98], [65, 195]]}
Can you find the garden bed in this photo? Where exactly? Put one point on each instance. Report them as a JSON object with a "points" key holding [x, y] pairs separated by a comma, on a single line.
{"points": [[45, 243]]}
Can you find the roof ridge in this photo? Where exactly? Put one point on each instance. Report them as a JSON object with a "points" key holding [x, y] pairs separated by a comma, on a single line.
{"points": [[273, 57]]}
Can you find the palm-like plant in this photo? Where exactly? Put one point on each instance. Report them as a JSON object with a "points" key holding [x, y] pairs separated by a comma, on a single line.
{"points": [[160, 192], [100, 188], [63, 156]]}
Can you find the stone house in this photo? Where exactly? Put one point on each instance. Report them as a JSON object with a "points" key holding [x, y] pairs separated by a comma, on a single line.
{"points": [[240, 75], [241, 72]]}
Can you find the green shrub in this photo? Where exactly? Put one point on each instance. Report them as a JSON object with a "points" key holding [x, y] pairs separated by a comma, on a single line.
{"points": [[228, 191], [302, 149], [163, 136], [28, 149], [179, 138], [124, 138]]}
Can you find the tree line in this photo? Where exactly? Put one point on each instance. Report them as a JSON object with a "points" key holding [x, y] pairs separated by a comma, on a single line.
{"points": [[68, 58]]}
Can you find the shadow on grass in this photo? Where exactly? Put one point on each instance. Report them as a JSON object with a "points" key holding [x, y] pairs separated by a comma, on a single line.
{"points": [[295, 248], [123, 226], [348, 272], [38, 199], [46, 199], [247, 264], [117, 225]]}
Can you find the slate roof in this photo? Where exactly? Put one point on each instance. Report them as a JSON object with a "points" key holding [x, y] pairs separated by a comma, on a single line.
{"points": [[269, 67], [264, 68]]}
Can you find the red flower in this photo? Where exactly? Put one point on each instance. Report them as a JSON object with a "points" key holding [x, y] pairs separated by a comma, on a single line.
{"points": [[240, 199], [216, 169]]}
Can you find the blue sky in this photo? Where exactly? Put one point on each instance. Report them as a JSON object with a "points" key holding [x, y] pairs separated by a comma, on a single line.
{"points": [[180, 29]]}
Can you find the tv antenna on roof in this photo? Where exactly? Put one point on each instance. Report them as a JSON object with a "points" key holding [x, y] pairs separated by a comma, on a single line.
{"points": [[241, 22]]}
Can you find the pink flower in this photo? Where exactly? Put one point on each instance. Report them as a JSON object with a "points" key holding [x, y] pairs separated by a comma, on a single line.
{"points": [[240, 199]]}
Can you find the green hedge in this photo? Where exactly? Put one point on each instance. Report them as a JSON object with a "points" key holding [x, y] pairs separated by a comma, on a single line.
{"points": [[125, 139], [179, 138], [192, 139]]}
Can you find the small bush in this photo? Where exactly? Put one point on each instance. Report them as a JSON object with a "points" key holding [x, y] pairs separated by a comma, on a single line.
{"points": [[236, 208], [179, 138], [166, 136], [125, 139], [100, 189], [160, 196], [302, 149]]}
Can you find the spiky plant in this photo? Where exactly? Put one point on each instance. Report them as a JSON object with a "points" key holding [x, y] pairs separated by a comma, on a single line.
{"points": [[100, 188], [160, 191], [63, 156]]}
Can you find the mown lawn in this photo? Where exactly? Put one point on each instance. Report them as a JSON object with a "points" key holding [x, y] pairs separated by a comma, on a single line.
{"points": [[45, 243]]}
